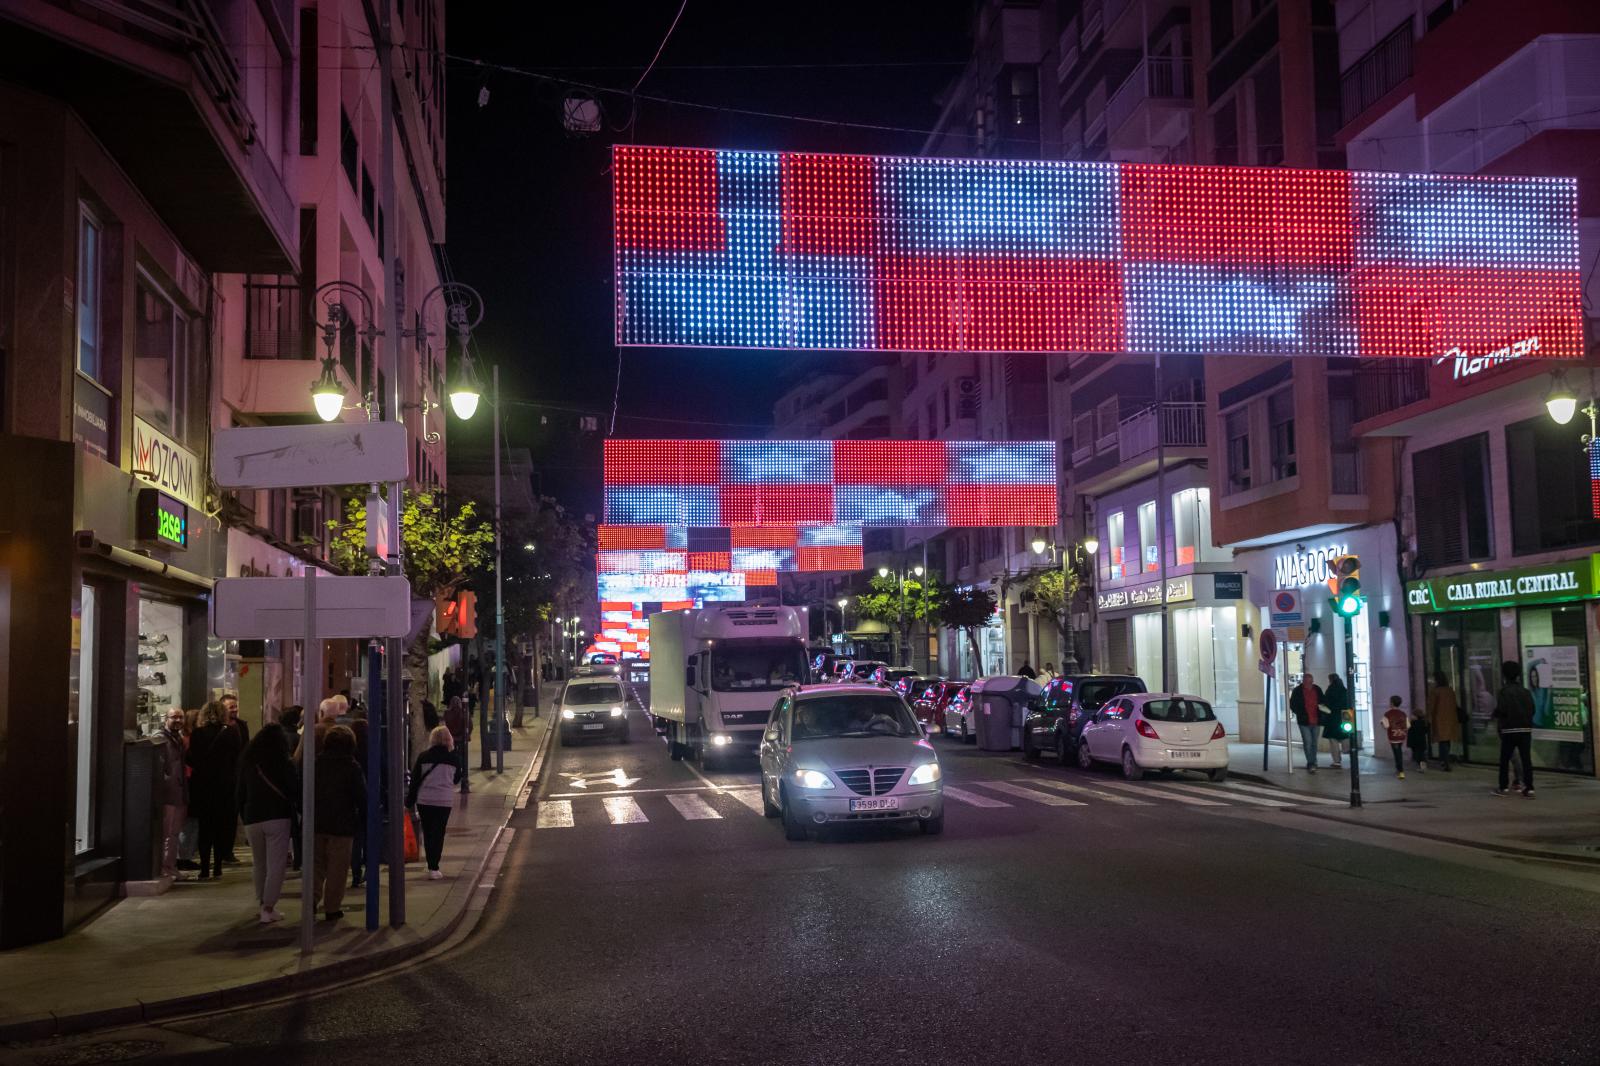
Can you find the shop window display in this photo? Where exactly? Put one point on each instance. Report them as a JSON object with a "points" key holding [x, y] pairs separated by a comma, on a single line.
{"points": [[160, 663], [1555, 667]]}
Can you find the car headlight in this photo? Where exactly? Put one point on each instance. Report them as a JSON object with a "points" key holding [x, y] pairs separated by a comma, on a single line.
{"points": [[616, 712], [926, 774], [720, 740], [812, 779], [566, 712]]}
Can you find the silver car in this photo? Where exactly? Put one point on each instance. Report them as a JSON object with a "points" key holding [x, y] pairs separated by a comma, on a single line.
{"points": [[844, 753]]}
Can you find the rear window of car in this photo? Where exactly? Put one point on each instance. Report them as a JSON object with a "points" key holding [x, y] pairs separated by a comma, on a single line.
{"points": [[587, 694], [1094, 693], [1178, 711]]}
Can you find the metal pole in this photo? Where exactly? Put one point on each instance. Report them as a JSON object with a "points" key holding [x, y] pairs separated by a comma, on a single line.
{"points": [[499, 598], [394, 690], [1350, 694], [1161, 519], [374, 783], [310, 693], [1266, 719]]}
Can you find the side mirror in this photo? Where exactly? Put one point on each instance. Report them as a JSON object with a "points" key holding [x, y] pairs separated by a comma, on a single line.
{"points": [[689, 673]]}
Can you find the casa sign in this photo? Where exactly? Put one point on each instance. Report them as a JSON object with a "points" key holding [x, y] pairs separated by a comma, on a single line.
{"points": [[1551, 583], [1302, 569]]}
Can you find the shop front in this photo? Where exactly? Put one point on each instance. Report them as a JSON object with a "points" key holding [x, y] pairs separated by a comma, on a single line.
{"points": [[1542, 616]]}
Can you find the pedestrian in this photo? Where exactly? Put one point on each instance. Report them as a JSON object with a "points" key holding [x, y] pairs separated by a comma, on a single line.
{"points": [[1306, 701], [214, 759], [432, 793], [1513, 714], [1417, 740], [359, 729], [174, 792], [341, 799], [1394, 722], [328, 712], [228, 830], [1028, 671], [1048, 674], [1444, 717], [1335, 701], [458, 723], [267, 806], [189, 837], [430, 715], [292, 718]]}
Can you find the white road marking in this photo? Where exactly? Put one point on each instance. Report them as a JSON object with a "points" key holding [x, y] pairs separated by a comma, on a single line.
{"points": [[1050, 782], [1297, 797], [634, 791], [692, 807], [1163, 793], [750, 797], [961, 795], [1202, 790], [1022, 792], [623, 809], [708, 782], [555, 814]]}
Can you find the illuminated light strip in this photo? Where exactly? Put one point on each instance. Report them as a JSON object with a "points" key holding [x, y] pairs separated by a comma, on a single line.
{"points": [[794, 250], [1594, 477]]}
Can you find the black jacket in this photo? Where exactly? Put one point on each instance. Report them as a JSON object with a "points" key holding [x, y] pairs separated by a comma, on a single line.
{"points": [[1297, 703], [267, 792], [341, 795], [1513, 711], [214, 757], [1337, 699]]}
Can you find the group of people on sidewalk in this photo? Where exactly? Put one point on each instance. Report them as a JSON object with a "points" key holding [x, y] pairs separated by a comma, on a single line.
{"points": [[1319, 714], [224, 776]]}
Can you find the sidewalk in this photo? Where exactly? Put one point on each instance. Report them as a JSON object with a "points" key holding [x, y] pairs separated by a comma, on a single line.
{"points": [[1562, 822], [199, 946]]}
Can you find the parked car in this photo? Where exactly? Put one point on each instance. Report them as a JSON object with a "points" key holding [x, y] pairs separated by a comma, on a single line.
{"points": [[823, 665], [927, 703], [842, 753], [1156, 731], [916, 686], [1056, 719], [862, 671], [839, 671], [891, 676], [593, 707], [955, 710]]}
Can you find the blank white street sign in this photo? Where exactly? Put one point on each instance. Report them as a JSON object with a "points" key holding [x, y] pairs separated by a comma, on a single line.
{"points": [[274, 608], [310, 455]]}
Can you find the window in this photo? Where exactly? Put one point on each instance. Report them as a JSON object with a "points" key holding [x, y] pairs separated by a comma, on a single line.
{"points": [[160, 361], [1114, 544], [308, 81], [1191, 524], [1225, 131], [1149, 547], [1450, 486], [349, 151], [1106, 416], [1221, 25], [91, 275], [1551, 505], [1345, 449], [84, 653], [1267, 96], [1236, 431], [1083, 433], [1280, 433]]}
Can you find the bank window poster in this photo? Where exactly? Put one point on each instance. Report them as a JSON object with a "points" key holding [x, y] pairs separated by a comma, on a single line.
{"points": [[1554, 676]]}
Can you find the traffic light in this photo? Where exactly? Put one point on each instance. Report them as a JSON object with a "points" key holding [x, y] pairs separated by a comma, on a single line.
{"points": [[1347, 721], [1344, 583]]}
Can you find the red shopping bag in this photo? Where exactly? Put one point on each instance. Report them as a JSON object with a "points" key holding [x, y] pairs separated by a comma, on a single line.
{"points": [[413, 853]]}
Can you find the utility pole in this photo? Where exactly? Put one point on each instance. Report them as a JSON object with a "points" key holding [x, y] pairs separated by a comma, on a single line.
{"points": [[499, 594], [1161, 518]]}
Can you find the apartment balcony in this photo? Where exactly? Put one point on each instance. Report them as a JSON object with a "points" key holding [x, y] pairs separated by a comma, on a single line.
{"points": [[1386, 67], [1128, 23], [1150, 110], [162, 89], [1178, 429]]}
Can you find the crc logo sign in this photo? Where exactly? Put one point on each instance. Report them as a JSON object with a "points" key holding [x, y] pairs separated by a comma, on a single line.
{"points": [[1418, 597], [1466, 366], [1302, 569]]}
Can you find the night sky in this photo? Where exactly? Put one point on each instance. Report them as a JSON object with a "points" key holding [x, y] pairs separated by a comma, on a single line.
{"points": [[529, 220]]}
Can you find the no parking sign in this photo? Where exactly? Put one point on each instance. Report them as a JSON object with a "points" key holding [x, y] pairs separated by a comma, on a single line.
{"points": [[1286, 611]]}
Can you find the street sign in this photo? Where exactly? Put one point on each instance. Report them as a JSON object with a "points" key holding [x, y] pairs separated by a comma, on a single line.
{"points": [[274, 608], [310, 455], [1285, 609], [1269, 653]]}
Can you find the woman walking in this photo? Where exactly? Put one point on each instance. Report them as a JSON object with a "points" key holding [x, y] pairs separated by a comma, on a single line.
{"points": [[267, 785], [341, 799], [213, 759], [1444, 717], [1335, 701], [433, 793]]}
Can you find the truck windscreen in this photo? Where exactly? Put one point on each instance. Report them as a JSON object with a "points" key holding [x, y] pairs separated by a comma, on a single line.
{"points": [[757, 667]]}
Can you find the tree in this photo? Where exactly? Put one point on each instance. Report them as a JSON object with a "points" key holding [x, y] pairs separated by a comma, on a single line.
{"points": [[968, 609], [896, 606], [1051, 593]]}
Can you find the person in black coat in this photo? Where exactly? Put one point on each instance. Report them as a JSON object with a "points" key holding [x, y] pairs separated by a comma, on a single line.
{"points": [[1336, 698], [213, 758], [266, 793], [341, 805]]}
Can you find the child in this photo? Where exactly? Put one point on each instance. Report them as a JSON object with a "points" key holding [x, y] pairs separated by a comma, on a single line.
{"points": [[1394, 720], [1417, 739]]}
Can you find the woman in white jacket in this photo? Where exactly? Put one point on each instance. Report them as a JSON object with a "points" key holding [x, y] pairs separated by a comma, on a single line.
{"points": [[433, 793]]}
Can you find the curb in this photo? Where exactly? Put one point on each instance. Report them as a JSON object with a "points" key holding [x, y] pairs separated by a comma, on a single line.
{"points": [[40, 1027], [1420, 834]]}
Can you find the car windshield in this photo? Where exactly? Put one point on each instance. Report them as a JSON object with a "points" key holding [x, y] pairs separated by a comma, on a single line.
{"points": [[853, 716], [1178, 711], [919, 687], [1093, 693], [757, 667], [587, 694]]}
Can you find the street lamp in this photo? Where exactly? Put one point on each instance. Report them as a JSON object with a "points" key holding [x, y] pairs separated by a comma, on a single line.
{"points": [[1068, 556], [1561, 401], [328, 392]]}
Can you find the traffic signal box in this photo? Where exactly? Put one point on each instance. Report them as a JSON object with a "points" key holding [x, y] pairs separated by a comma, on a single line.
{"points": [[1344, 586]]}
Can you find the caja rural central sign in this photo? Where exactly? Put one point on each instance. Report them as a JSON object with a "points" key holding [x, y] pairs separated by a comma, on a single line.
{"points": [[1551, 583]]}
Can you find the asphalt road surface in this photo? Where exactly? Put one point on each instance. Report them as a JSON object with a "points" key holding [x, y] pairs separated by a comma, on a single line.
{"points": [[648, 913]]}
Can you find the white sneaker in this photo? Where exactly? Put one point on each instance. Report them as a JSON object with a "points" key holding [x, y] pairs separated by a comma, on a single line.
{"points": [[435, 875], [268, 916]]}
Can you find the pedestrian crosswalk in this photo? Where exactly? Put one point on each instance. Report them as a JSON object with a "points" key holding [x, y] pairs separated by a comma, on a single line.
{"points": [[720, 804]]}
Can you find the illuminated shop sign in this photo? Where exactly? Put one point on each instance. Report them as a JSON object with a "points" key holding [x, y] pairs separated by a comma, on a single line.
{"points": [[1302, 569], [160, 519], [799, 250], [1464, 366], [1179, 589], [169, 466], [1551, 583]]}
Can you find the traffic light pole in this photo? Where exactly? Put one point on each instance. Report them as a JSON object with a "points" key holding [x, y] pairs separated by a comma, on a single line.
{"points": [[1355, 732]]}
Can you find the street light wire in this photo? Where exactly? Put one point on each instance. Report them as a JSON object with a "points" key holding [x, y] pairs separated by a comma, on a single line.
{"points": [[661, 47]]}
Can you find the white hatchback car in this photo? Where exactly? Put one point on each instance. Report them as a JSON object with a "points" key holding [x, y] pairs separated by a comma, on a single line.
{"points": [[1156, 731]]}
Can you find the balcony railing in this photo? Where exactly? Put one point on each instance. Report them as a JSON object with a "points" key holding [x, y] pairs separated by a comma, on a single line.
{"points": [[1384, 385], [276, 324], [1183, 425], [1386, 64], [1166, 78]]}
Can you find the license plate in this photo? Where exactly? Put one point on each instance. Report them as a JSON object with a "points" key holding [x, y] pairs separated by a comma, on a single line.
{"points": [[882, 803], [1185, 754], [595, 725]]}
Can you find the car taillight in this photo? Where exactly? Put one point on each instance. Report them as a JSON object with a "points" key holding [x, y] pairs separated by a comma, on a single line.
{"points": [[1145, 729], [1219, 732]]}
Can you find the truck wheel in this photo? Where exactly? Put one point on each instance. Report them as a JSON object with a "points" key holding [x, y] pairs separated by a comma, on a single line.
{"points": [[793, 827], [675, 751]]}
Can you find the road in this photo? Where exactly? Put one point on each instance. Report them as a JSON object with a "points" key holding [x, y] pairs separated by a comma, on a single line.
{"points": [[647, 913]]}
